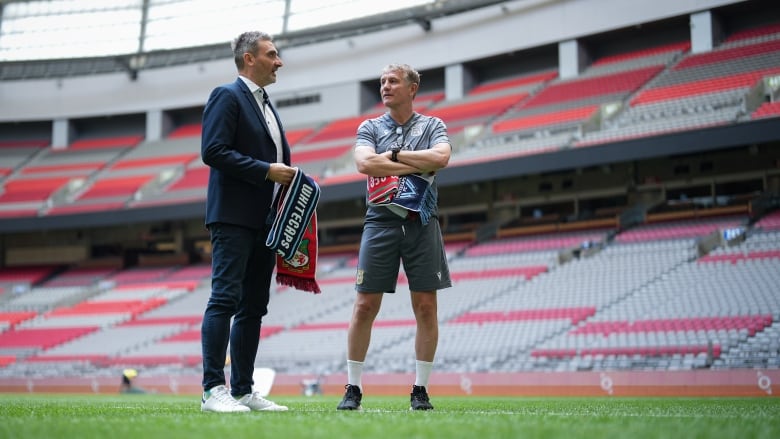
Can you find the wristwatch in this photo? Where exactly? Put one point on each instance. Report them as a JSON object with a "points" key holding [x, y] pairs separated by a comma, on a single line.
{"points": [[394, 155]]}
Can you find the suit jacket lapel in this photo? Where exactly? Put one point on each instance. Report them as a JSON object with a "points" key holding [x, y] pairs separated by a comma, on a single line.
{"points": [[252, 101], [260, 117]]}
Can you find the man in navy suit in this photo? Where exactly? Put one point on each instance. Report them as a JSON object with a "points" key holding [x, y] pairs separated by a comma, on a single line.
{"points": [[244, 144]]}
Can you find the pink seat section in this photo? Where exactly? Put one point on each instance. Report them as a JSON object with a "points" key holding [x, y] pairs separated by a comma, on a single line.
{"points": [[672, 231], [754, 32], [303, 155], [295, 136], [132, 307], [770, 221], [525, 272], [710, 85], [69, 209], [537, 78], [115, 187], [476, 109], [106, 142], [79, 276], [141, 275], [194, 334], [192, 178], [177, 159], [31, 189], [647, 351], [542, 120], [86, 167], [682, 46], [621, 82], [574, 314], [733, 258], [28, 274], [337, 129], [152, 360], [13, 318], [42, 338], [24, 143], [532, 243], [423, 101], [730, 54], [767, 109], [345, 325], [753, 324], [189, 130]]}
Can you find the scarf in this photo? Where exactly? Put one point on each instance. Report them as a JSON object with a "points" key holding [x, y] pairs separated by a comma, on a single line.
{"points": [[293, 234], [405, 193]]}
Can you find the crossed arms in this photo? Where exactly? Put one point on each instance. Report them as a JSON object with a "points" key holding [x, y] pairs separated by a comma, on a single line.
{"points": [[424, 161]]}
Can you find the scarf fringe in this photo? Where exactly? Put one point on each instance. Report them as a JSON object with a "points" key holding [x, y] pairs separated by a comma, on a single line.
{"points": [[298, 283]]}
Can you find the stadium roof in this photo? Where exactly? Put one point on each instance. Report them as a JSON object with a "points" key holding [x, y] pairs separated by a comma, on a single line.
{"points": [[67, 29]]}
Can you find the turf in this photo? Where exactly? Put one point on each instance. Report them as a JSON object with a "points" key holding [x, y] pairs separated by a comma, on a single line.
{"points": [[172, 417]]}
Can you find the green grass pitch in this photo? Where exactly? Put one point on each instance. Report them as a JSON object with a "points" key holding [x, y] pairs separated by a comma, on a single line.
{"points": [[171, 417]]}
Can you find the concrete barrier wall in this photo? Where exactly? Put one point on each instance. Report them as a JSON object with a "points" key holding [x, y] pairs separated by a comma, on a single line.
{"points": [[730, 383]]}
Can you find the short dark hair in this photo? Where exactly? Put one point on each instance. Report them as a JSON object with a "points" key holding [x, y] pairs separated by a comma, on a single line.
{"points": [[247, 43]]}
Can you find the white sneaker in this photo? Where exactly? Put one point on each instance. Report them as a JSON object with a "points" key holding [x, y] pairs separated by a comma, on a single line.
{"points": [[218, 399], [257, 403]]}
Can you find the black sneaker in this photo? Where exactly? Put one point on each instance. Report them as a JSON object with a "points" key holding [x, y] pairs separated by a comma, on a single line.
{"points": [[420, 399], [352, 398]]}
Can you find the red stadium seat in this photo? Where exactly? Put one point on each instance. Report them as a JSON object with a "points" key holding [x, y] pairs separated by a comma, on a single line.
{"points": [[106, 142], [43, 338]]}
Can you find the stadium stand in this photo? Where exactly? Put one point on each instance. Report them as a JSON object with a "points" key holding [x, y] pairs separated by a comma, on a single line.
{"points": [[553, 116], [530, 294], [78, 277], [17, 152], [699, 90], [28, 275], [678, 229], [320, 147], [522, 114], [53, 175]]}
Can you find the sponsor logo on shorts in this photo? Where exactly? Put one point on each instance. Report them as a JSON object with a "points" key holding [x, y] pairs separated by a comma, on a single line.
{"points": [[359, 277]]}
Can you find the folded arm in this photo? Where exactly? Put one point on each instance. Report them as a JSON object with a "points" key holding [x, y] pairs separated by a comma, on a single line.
{"points": [[370, 163], [427, 160]]}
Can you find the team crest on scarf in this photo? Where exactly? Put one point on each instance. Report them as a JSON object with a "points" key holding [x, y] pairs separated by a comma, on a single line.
{"points": [[301, 257]]}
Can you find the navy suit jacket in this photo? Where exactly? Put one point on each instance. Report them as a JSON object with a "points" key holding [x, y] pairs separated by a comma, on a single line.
{"points": [[239, 149]]}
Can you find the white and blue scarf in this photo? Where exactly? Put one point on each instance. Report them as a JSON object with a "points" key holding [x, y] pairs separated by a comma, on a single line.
{"points": [[293, 233]]}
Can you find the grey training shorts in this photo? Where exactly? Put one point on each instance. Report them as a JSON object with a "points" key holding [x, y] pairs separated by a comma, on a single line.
{"points": [[420, 247]]}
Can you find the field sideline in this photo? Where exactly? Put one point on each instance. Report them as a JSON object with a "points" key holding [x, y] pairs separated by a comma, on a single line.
{"points": [[172, 416]]}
